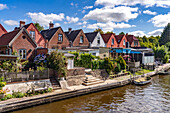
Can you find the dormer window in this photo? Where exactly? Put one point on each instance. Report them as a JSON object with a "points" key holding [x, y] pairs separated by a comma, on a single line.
{"points": [[32, 33], [81, 39], [124, 43], [60, 37]]}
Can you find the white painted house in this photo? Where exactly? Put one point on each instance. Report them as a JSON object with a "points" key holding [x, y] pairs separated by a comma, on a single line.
{"points": [[95, 39]]}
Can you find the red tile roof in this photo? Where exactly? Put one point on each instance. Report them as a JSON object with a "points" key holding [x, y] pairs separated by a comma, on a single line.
{"points": [[119, 38], [106, 37], [5, 39], [1, 27]]}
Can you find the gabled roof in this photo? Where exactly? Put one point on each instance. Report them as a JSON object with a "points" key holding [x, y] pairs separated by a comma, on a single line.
{"points": [[8, 38], [5, 39], [73, 34], [119, 38], [106, 37], [49, 33], [91, 36], [131, 38]]}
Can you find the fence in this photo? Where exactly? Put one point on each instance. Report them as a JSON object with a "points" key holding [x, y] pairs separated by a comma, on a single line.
{"points": [[26, 76]]}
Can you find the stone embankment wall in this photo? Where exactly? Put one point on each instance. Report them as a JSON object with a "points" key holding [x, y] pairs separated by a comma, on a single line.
{"points": [[100, 73]]}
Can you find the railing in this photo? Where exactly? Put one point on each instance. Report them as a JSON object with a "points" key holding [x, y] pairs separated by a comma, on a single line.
{"points": [[25, 76]]}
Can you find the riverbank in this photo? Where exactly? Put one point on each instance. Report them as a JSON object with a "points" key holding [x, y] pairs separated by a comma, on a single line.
{"points": [[15, 104]]}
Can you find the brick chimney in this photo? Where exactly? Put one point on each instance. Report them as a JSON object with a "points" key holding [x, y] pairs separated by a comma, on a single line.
{"points": [[21, 23], [51, 25], [126, 34], [69, 30]]}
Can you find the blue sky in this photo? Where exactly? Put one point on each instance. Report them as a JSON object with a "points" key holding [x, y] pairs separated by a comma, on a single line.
{"points": [[138, 17]]}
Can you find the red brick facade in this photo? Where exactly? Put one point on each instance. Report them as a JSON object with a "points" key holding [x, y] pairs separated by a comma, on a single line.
{"points": [[55, 43], [2, 30], [77, 43], [108, 40], [38, 37], [122, 42]]}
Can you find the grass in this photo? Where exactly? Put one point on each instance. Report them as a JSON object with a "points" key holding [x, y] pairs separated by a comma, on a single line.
{"points": [[143, 71]]}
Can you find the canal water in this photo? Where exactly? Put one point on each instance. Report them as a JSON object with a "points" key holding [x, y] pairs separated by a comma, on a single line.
{"points": [[151, 98]]}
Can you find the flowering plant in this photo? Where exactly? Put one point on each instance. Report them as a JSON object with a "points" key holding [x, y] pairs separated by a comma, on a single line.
{"points": [[4, 91]]}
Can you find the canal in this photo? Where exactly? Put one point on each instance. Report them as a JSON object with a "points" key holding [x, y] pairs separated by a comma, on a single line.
{"points": [[151, 98]]}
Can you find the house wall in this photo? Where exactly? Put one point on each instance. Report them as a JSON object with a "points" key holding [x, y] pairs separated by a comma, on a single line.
{"points": [[132, 44], [121, 43], [95, 44], [54, 43], [77, 40], [38, 37], [109, 44], [26, 43]]}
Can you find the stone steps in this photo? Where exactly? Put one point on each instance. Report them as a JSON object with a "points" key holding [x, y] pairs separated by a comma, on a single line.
{"points": [[55, 84], [90, 80]]}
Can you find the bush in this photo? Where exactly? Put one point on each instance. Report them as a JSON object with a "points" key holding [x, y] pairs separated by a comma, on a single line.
{"points": [[166, 59], [118, 68], [8, 96], [50, 90], [5, 98], [2, 84], [18, 94], [108, 65], [122, 62]]}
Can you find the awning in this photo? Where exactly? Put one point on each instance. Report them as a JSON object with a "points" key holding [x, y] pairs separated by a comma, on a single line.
{"points": [[135, 52]]}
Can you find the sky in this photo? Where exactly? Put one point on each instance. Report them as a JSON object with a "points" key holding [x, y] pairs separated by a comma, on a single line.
{"points": [[137, 17]]}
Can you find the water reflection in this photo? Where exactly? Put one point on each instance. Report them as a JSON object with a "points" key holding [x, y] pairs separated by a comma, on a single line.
{"points": [[154, 97]]}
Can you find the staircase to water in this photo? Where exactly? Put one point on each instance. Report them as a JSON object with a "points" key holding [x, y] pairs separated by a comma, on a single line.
{"points": [[55, 83]]}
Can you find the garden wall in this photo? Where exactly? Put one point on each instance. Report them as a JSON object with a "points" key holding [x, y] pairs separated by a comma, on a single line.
{"points": [[76, 71], [100, 73], [75, 80]]}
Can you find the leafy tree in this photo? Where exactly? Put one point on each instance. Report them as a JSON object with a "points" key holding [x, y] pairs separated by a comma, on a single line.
{"points": [[108, 32], [165, 37], [108, 65], [38, 26], [122, 33], [57, 61], [122, 62], [99, 30]]}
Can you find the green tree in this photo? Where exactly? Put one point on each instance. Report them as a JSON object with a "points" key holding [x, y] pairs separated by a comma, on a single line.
{"points": [[165, 37], [57, 61], [99, 30], [108, 32], [122, 33], [37, 25]]}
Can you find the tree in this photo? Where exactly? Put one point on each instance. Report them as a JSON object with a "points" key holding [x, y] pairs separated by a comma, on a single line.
{"points": [[122, 33], [57, 61], [108, 32], [37, 25], [99, 30], [165, 37]]}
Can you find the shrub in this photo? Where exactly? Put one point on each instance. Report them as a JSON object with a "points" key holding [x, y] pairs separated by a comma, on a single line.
{"points": [[2, 84], [5, 98], [118, 68], [8, 96], [108, 65], [122, 62], [50, 90], [18, 94]]}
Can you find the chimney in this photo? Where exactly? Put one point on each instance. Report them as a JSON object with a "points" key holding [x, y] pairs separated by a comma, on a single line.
{"points": [[21, 23], [126, 34], [51, 25], [69, 30]]}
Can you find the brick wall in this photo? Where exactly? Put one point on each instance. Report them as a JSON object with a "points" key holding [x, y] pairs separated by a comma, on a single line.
{"points": [[77, 40], [121, 43], [109, 44], [54, 43]]}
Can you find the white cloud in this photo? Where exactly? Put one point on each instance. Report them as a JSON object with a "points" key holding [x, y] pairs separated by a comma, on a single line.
{"points": [[117, 14], [83, 11], [109, 26], [160, 20], [147, 3], [3, 6], [57, 24], [72, 4], [11, 22], [149, 12], [138, 33], [44, 19], [82, 23], [155, 32], [72, 19], [88, 7]]}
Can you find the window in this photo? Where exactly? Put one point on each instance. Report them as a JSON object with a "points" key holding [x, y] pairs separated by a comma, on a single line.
{"points": [[10, 51], [112, 41], [98, 40], [32, 33], [135, 43], [6, 51], [81, 39], [124, 43], [60, 37], [23, 53]]}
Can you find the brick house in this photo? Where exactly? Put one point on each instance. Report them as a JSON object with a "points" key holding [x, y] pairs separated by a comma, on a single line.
{"points": [[34, 33], [55, 37], [18, 40], [77, 38], [2, 30], [121, 41], [110, 40], [133, 41]]}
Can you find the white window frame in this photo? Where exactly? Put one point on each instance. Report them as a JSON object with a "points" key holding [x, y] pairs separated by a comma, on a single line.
{"points": [[21, 53], [60, 37], [81, 39], [32, 34]]}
